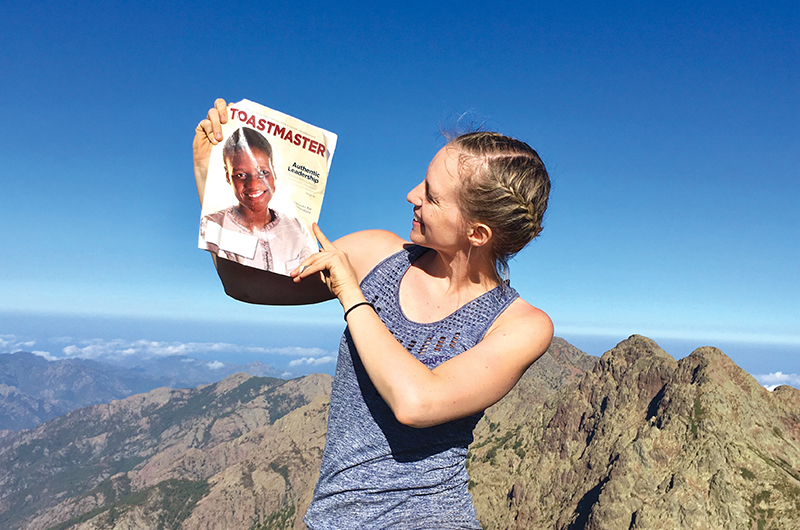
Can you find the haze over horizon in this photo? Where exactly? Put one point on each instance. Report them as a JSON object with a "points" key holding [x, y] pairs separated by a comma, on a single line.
{"points": [[670, 132]]}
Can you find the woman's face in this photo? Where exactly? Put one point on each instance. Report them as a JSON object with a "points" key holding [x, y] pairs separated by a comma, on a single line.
{"points": [[253, 179], [438, 222]]}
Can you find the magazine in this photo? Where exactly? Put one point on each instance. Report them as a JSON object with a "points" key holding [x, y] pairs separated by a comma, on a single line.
{"points": [[266, 180]]}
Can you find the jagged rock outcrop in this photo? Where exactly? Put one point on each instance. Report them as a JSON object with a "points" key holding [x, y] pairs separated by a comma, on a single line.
{"points": [[645, 441]]}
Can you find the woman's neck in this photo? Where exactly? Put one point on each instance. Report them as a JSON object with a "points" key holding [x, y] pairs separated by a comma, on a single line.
{"points": [[465, 271], [438, 284]]}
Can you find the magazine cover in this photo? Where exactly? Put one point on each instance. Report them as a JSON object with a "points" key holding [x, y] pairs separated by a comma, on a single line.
{"points": [[265, 185]]}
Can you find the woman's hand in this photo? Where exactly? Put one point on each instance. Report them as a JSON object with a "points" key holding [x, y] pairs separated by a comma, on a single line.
{"points": [[207, 134], [333, 264]]}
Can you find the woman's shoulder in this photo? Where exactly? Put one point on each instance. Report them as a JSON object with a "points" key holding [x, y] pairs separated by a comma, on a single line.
{"points": [[520, 311], [527, 324], [368, 248]]}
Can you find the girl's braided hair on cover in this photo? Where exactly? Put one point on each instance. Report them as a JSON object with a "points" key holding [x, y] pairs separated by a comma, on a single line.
{"points": [[506, 187]]}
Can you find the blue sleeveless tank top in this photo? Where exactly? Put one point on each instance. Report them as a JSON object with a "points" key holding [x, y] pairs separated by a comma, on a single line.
{"points": [[377, 473]]}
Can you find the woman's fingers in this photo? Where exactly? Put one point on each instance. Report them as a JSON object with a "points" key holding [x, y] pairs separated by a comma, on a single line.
{"points": [[222, 109], [218, 116], [211, 126], [334, 267], [331, 263], [323, 241], [308, 267], [318, 263], [205, 129]]}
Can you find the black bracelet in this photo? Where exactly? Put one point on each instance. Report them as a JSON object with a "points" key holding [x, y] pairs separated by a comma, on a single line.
{"points": [[355, 306]]}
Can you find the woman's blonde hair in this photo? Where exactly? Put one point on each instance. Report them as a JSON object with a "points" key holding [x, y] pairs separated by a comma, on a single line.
{"points": [[506, 187]]}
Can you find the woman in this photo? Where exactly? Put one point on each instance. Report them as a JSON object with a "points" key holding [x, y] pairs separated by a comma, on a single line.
{"points": [[433, 337], [273, 241]]}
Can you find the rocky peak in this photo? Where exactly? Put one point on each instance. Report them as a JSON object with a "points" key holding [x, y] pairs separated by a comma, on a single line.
{"points": [[646, 441]]}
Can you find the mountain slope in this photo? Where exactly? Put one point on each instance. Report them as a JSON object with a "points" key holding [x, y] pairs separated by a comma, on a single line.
{"points": [[633, 440], [645, 441], [104, 455]]}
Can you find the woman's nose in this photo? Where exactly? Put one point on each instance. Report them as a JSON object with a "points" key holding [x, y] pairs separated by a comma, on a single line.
{"points": [[415, 194]]}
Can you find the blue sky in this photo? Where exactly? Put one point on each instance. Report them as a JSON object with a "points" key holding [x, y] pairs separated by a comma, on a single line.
{"points": [[671, 133]]}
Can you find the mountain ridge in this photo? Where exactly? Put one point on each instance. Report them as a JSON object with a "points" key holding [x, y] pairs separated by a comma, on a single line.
{"points": [[634, 439], [34, 390]]}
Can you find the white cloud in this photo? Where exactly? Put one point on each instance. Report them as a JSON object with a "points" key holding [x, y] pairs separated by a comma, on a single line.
{"points": [[315, 361], [12, 343], [148, 349], [215, 365], [295, 351], [776, 379], [46, 354], [145, 349]]}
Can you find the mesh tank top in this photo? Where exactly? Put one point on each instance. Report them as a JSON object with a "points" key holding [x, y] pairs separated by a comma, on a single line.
{"points": [[377, 473]]}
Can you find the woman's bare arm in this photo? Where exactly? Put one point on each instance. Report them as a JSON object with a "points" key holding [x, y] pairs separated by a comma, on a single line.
{"points": [[459, 387], [464, 385]]}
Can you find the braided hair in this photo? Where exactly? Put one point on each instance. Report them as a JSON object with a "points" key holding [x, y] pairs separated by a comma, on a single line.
{"points": [[506, 187]]}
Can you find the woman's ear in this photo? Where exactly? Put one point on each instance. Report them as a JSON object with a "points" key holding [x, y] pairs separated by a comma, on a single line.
{"points": [[479, 235]]}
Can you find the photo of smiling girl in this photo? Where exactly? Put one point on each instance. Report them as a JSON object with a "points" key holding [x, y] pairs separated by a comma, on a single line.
{"points": [[250, 232]]}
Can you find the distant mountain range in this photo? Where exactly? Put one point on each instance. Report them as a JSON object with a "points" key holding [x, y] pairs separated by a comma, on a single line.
{"points": [[34, 390], [633, 440]]}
